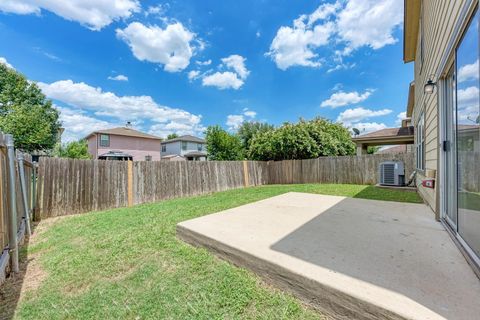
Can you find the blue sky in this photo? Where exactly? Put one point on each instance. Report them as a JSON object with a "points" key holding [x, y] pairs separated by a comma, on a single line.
{"points": [[179, 66]]}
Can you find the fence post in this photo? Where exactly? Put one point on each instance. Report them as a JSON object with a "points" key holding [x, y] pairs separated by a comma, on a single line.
{"points": [[34, 191], [23, 190], [130, 183], [245, 173], [12, 237]]}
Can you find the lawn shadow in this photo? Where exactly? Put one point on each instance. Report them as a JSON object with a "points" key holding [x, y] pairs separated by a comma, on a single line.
{"points": [[387, 194]]}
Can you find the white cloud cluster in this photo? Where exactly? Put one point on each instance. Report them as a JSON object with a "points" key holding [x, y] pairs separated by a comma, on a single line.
{"points": [[400, 117], [345, 25], [84, 97], [173, 46], [468, 100], [233, 79], [366, 127], [93, 14], [5, 62], [119, 77], [235, 120], [350, 116], [341, 98], [78, 124], [468, 72]]}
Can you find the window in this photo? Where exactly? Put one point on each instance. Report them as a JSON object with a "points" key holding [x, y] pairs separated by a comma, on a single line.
{"points": [[184, 145], [420, 142], [164, 148], [148, 158], [199, 146], [104, 140]]}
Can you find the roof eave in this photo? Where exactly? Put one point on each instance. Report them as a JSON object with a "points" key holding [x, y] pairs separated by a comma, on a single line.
{"points": [[411, 23]]}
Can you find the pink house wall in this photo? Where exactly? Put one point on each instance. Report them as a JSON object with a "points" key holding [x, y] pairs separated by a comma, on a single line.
{"points": [[137, 147]]}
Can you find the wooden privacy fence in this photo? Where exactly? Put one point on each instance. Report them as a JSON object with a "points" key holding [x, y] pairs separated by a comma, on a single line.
{"points": [[67, 186], [22, 190], [348, 169]]}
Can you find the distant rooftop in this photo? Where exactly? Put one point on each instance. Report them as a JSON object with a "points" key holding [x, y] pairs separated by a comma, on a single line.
{"points": [[188, 138], [125, 131], [392, 136]]}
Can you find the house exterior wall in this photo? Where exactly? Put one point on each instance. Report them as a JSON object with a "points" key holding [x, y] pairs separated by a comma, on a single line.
{"points": [[176, 148], [437, 29], [137, 147]]}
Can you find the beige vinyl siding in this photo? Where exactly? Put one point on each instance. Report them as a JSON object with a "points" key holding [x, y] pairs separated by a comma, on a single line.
{"points": [[439, 18]]}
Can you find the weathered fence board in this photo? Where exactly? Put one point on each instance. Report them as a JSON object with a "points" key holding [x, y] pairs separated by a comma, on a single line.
{"points": [[68, 186], [348, 169]]}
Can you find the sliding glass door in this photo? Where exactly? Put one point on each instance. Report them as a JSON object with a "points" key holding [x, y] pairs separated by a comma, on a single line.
{"points": [[466, 128]]}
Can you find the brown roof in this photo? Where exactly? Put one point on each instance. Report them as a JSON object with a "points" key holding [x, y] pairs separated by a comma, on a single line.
{"points": [[394, 149], [124, 131], [185, 138], [387, 133]]}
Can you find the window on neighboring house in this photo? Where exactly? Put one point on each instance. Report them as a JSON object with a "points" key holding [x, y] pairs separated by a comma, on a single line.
{"points": [[184, 145], [148, 158], [104, 140], [164, 148], [420, 142], [199, 146]]}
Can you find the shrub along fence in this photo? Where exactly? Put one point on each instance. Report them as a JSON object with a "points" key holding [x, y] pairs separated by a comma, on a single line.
{"points": [[67, 186]]}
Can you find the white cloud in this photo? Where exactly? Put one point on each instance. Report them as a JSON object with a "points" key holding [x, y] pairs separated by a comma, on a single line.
{"points": [[258, 34], [228, 79], [93, 14], [369, 23], [235, 120], [342, 26], [341, 98], [5, 62], [119, 77], [294, 46], [237, 63], [400, 117], [366, 127], [467, 96], [250, 113], [204, 63], [171, 46], [125, 108], [223, 80], [194, 74], [78, 124], [350, 116], [468, 104], [468, 72]]}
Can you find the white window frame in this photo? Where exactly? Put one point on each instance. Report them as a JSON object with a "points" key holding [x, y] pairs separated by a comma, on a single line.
{"points": [[107, 144], [420, 142]]}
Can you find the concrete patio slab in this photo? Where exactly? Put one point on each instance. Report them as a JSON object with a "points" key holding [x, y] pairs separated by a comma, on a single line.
{"points": [[350, 258]]}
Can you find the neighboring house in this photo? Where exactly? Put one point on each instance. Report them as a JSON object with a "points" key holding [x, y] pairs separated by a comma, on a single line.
{"points": [[442, 39], [187, 147], [403, 148], [123, 143], [385, 137]]}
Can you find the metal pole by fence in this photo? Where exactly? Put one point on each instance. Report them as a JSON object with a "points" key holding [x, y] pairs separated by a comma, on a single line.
{"points": [[23, 190], [13, 245]]}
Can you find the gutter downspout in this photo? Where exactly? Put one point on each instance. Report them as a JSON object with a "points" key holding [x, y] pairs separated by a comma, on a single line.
{"points": [[12, 237], [23, 189]]}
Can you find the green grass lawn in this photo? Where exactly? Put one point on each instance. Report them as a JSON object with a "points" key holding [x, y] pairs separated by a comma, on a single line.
{"points": [[127, 264]]}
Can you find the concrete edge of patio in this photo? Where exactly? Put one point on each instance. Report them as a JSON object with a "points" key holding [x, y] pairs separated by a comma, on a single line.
{"points": [[329, 301]]}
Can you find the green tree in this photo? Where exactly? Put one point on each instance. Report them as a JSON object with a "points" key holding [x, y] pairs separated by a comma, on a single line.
{"points": [[26, 113], [372, 149], [303, 140], [73, 149], [249, 129], [222, 145], [172, 136]]}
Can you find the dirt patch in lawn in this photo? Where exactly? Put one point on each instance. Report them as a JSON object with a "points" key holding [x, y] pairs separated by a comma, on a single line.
{"points": [[30, 277]]}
